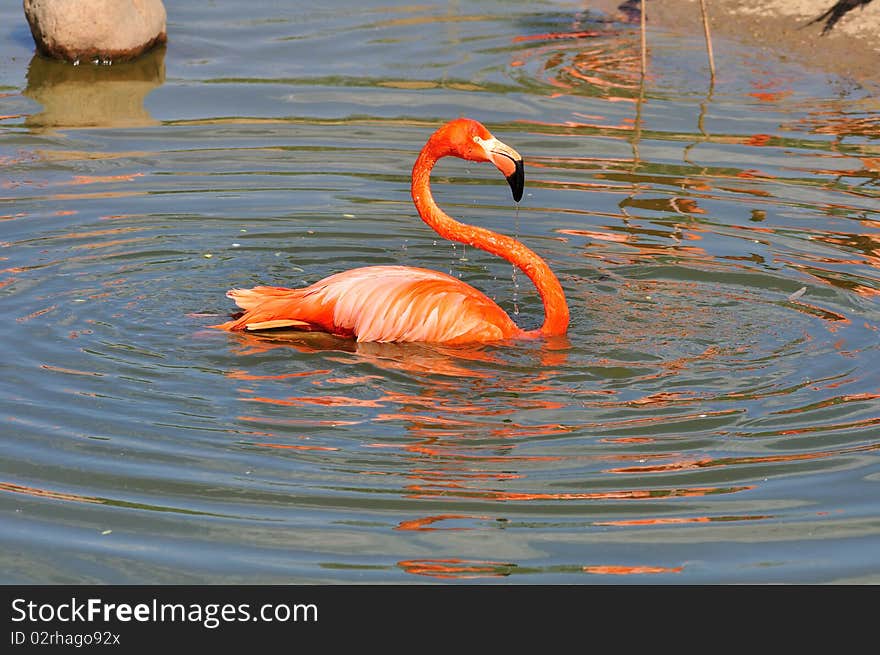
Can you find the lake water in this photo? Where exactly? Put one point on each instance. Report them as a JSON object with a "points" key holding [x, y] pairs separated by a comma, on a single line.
{"points": [[711, 417]]}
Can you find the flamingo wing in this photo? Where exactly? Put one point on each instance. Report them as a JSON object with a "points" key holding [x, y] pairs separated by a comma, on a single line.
{"points": [[378, 303]]}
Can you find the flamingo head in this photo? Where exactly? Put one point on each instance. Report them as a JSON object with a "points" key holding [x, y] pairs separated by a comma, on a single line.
{"points": [[469, 139]]}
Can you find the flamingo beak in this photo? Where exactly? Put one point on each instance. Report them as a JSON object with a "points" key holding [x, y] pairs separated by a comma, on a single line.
{"points": [[509, 162], [517, 180]]}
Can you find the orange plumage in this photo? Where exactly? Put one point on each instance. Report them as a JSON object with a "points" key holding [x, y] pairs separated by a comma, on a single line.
{"points": [[401, 303]]}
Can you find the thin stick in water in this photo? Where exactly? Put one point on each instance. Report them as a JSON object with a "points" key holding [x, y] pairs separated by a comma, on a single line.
{"points": [[705, 13]]}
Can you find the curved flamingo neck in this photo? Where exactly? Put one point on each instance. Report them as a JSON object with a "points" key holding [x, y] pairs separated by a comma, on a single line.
{"points": [[555, 307]]}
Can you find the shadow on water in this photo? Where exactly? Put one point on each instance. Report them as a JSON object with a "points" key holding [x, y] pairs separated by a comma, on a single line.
{"points": [[94, 95]]}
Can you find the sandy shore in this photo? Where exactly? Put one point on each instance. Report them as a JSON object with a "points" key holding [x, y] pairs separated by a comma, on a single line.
{"points": [[780, 27]]}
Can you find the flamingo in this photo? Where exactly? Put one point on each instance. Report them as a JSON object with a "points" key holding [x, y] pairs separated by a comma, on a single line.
{"points": [[406, 304]]}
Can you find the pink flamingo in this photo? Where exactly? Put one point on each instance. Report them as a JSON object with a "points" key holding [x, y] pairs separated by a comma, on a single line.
{"points": [[402, 303]]}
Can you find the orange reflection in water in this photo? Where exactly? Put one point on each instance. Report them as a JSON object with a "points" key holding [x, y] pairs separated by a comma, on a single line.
{"points": [[69, 371], [594, 234], [633, 249], [583, 61], [770, 87], [831, 402], [45, 493], [462, 569], [427, 524], [443, 462], [325, 401], [841, 125], [435, 419], [770, 96], [866, 245], [554, 36], [684, 519], [693, 463], [411, 358], [304, 423], [758, 140], [622, 494], [456, 568], [37, 313], [294, 446], [630, 570], [243, 375], [456, 441], [103, 179]]}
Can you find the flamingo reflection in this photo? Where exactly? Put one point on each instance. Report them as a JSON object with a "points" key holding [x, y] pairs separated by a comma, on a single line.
{"points": [[452, 441]]}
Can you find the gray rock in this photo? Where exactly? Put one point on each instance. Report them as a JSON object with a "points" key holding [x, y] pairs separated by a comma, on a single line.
{"points": [[115, 30]]}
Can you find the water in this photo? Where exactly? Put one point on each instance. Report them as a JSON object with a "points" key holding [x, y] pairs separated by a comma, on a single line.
{"points": [[712, 416]]}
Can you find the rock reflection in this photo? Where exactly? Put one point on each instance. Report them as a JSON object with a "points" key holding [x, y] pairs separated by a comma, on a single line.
{"points": [[90, 95]]}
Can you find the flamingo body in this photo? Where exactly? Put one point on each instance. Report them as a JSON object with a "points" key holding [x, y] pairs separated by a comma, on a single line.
{"points": [[401, 303], [379, 303]]}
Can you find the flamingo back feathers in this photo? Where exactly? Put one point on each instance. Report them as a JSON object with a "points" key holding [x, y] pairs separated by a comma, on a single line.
{"points": [[378, 303]]}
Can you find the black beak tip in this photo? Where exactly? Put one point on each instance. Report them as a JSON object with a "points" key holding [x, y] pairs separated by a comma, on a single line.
{"points": [[516, 180]]}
